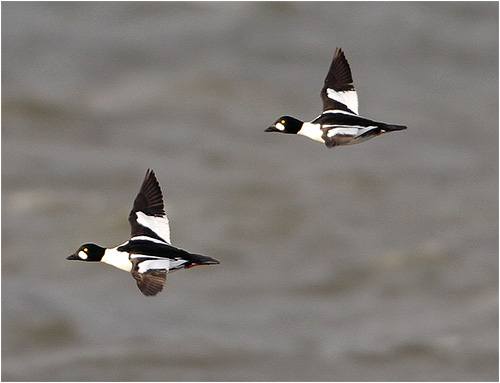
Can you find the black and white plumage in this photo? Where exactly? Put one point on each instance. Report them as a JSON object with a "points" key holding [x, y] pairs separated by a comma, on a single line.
{"points": [[339, 124], [148, 254]]}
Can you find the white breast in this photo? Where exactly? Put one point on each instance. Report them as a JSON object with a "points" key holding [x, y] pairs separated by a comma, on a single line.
{"points": [[117, 259], [312, 131]]}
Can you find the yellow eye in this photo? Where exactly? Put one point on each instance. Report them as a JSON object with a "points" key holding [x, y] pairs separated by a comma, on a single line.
{"points": [[85, 249], [282, 121]]}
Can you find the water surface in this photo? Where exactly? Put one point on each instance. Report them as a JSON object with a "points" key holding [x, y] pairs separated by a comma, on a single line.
{"points": [[377, 261]]}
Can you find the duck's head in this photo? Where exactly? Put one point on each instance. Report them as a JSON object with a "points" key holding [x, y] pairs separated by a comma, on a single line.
{"points": [[285, 124], [89, 252]]}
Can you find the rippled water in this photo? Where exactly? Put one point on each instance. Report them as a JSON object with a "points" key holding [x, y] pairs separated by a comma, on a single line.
{"points": [[377, 261]]}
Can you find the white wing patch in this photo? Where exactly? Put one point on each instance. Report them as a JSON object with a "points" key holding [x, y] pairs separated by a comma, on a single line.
{"points": [[348, 98], [159, 225], [160, 264], [349, 132]]}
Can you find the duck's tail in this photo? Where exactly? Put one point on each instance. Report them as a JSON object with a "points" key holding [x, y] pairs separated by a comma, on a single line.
{"points": [[393, 128], [198, 260]]}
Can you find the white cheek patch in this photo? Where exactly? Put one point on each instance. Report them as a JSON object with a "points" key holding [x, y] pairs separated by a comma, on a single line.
{"points": [[82, 254], [280, 126]]}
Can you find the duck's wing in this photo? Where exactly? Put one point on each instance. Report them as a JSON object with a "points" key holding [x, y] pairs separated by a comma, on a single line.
{"points": [[338, 93], [151, 282], [148, 216], [150, 272]]}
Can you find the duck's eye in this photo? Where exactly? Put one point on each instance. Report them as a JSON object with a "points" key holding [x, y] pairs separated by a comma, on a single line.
{"points": [[85, 249], [283, 121]]}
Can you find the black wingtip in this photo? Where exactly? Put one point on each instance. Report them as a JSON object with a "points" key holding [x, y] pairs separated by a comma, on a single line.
{"points": [[338, 53], [150, 173]]}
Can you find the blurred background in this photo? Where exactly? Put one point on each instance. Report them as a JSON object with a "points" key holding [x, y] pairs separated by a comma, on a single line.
{"points": [[377, 261]]}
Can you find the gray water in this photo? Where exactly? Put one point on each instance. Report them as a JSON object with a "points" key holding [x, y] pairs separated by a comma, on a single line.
{"points": [[377, 261]]}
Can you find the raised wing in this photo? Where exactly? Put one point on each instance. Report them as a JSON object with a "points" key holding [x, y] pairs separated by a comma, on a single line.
{"points": [[147, 216], [338, 93]]}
